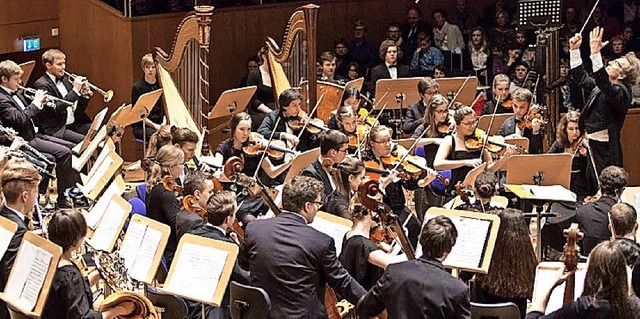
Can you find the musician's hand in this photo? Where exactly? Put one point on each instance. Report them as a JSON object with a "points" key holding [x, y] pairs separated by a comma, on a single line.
{"points": [[473, 162], [78, 83], [575, 42], [510, 151], [595, 40], [40, 96], [431, 175], [536, 124], [292, 139], [17, 143], [385, 247]]}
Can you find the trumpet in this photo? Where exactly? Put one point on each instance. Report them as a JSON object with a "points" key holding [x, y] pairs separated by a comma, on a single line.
{"points": [[108, 95], [48, 97]]}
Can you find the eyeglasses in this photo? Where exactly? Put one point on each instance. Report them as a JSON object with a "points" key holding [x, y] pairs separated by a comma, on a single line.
{"points": [[475, 122], [383, 142], [344, 150], [442, 111]]}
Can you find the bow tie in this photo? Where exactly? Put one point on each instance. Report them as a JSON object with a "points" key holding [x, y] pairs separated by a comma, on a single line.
{"points": [[392, 66], [14, 93], [59, 79]]}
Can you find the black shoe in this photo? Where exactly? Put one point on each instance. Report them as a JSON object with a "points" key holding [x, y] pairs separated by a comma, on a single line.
{"points": [[76, 197], [63, 202]]}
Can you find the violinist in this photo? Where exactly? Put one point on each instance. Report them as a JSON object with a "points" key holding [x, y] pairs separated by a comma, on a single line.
{"points": [[237, 145], [220, 215], [381, 145], [187, 141], [162, 201], [348, 176], [199, 185], [525, 122], [502, 98], [414, 117], [484, 188], [351, 97], [348, 124], [459, 156], [333, 148], [361, 256], [292, 118], [570, 139]]}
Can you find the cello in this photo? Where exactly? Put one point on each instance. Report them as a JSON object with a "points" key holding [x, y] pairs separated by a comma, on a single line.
{"points": [[571, 250]]}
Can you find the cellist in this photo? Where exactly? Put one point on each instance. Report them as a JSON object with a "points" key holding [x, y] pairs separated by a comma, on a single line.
{"points": [[200, 186]]}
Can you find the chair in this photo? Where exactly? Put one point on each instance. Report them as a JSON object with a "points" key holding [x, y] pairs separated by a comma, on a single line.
{"points": [[138, 206], [507, 310], [248, 302], [169, 305], [163, 271], [141, 189]]}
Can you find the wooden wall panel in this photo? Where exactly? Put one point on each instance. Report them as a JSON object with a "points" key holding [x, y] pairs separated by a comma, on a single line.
{"points": [[19, 11], [27, 18], [630, 132]]}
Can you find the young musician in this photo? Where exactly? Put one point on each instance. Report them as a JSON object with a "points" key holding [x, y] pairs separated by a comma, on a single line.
{"points": [[592, 217], [606, 289], [199, 185], [347, 123], [484, 188], [348, 175], [159, 139], [221, 209], [607, 106], [521, 105], [454, 154], [570, 139], [351, 97], [59, 120], [17, 113], [333, 148], [240, 125], [148, 83], [390, 53], [263, 101], [162, 203], [501, 97], [20, 190], [421, 288], [186, 140], [427, 87], [328, 65], [289, 115], [513, 266], [70, 295], [361, 257], [299, 253], [623, 226]]}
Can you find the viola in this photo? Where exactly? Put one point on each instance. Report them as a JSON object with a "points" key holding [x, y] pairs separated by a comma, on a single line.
{"points": [[535, 113], [257, 144], [444, 127], [475, 141], [170, 184], [356, 137], [410, 165]]}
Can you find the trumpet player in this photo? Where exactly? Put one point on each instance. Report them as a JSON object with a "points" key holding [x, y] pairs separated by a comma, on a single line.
{"points": [[63, 121], [17, 113]]}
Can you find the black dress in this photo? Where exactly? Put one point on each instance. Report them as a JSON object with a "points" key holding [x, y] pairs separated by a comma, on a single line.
{"points": [[70, 296], [264, 95], [584, 307], [162, 205], [582, 174], [156, 114], [458, 174], [354, 258]]}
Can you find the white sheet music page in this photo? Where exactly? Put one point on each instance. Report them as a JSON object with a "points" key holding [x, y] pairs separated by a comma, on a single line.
{"points": [[100, 172], [108, 228], [138, 249], [198, 271], [5, 239], [552, 192], [333, 230], [557, 295], [100, 207], [26, 281]]}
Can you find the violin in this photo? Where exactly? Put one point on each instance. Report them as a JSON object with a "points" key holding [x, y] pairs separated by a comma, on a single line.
{"points": [[507, 103], [256, 144], [444, 127], [170, 184], [411, 165], [535, 113], [313, 125], [475, 141], [571, 251], [365, 119], [356, 137], [460, 191], [579, 145]]}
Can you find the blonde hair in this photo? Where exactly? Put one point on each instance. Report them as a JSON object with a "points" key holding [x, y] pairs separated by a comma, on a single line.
{"points": [[51, 55], [377, 130], [18, 176], [159, 139], [166, 157], [430, 114], [9, 68], [147, 59]]}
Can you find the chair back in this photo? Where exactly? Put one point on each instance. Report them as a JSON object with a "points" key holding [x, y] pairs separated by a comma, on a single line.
{"points": [[248, 302], [169, 306], [141, 189], [138, 206], [507, 310]]}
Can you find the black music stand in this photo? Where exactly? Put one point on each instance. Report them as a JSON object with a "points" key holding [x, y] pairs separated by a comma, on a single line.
{"points": [[393, 93], [535, 14]]}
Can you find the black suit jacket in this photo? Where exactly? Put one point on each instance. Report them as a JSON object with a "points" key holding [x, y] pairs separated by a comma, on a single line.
{"points": [[293, 262], [381, 72], [535, 141], [593, 220], [6, 263], [12, 115], [316, 171], [418, 288], [307, 140], [185, 222], [45, 83], [238, 274], [54, 119], [414, 117]]}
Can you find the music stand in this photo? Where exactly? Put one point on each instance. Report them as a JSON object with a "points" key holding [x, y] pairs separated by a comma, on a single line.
{"points": [[450, 86], [27, 68], [93, 131], [556, 173], [392, 94], [301, 162], [230, 103], [535, 14], [143, 107], [484, 120], [357, 83]]}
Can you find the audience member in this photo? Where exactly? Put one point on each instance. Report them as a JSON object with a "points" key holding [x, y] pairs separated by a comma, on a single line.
{"points": [[412, 28], [502, 35], [389, 69], [328, 66], [440, 71], [360, 50], [447, 37], [343, 59], [252, 64], [426, 57], [480, 55], [465, 20]]}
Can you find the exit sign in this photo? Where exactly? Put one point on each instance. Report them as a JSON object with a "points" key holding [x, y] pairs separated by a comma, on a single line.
{"points": [[30, 44]]}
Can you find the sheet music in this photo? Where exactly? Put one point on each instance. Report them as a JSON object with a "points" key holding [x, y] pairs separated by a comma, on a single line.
{"points": [[84, 157], [5, 239], [26, 281], [94, 216], [108, 228], [138, 249], [100, 172], [198, 271], [557, 295], [331, 229], [472, 238], [554, 192]]}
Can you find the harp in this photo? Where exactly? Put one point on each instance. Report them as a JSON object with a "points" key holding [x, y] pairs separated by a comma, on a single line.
{"points": [[295, 59], [184, 72]]}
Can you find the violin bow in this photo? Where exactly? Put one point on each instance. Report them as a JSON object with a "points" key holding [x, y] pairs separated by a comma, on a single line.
{"points": [[309, 116], [459, 91], [486, 138], [255, 174], [411, 147], [374, 122]]}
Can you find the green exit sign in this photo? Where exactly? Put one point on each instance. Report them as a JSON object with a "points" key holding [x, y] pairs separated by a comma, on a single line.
{"points": [[30, 44]]}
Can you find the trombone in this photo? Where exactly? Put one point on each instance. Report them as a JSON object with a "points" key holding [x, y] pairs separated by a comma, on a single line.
{"points": [[108, 95], [48, 97]]}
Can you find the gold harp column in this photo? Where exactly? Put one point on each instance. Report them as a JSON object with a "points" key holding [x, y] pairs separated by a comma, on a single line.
{"points": [[204, 35], [311, 16]]}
